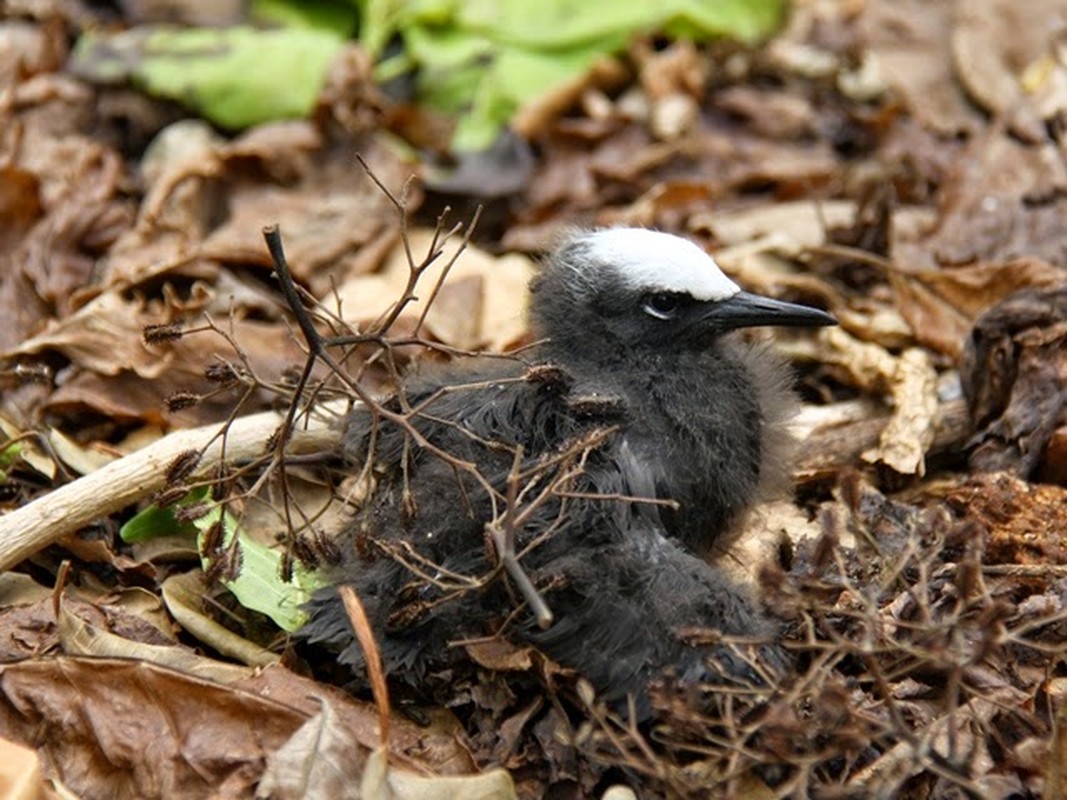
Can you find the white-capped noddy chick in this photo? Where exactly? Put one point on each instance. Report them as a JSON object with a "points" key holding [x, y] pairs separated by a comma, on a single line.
{"points": [[639, 393]]}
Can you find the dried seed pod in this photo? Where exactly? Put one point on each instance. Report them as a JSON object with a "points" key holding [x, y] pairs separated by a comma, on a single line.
{"points": [[182, 466], [327, 547], [221, 372], [305, 552], [213, 538], [181, 400], [169, 497], [154, 334], [191, 512]]}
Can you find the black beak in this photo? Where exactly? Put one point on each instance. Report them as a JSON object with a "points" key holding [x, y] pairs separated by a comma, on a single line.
{"points": [[745, 310]]}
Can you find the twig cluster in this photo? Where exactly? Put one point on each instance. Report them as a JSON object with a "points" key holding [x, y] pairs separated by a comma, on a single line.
{"points": [[918, 670]]}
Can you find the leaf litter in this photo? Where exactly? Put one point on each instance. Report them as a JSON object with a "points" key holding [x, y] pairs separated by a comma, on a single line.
{"points": [[900, 164]]}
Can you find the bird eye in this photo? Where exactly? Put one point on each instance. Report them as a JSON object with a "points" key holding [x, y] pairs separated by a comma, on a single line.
{"points": [[662, 305]]}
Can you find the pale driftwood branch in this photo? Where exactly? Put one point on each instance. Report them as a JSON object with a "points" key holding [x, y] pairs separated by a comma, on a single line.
{"points": [[71, 507]]}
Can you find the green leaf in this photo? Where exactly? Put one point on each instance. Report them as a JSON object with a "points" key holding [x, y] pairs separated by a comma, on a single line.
{"points": [[9, 455], [516, 77], [335, 16], [235, 77], [259, 585], [155, 521], [563, 24], [482, 60]]}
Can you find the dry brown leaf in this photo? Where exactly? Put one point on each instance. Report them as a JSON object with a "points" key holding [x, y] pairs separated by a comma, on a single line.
{"points": [[184, 594], [382, 782], [19, 589], [673, 79], [79, 637], [799, 224], [772, 113], [457, 312], [20, 773], [119, 728], [911, 383], [315, 764], [326, 216], [1006, 203], [43, 269], [276, 173], [993, 43], [505, 749], [910, 40], [501, 656], [79, 458], [758, 266], [138, 614], [665, 206], [942, 305], [125, 395], [437, 747], [20, 204], [499, 316], [879, 324], [28, 449], [1013, 374], [105, 336]]}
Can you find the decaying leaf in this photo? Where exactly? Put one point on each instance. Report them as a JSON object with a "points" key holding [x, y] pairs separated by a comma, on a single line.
{"points": [[495, 319], [942, 305], [381, 782], [315, 763], [183, 595], [1014, 371], [132, 729]]}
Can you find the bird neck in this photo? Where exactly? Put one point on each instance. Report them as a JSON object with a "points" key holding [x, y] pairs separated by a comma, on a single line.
{"points": [[636, 366]]}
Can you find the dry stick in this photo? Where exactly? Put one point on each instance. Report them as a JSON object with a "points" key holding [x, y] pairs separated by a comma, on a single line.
{"points": [[357, 615], [317, 345], [71, 507], [317, 349], [504, 538]]}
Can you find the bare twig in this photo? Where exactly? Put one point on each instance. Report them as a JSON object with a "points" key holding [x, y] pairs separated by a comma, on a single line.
{"points": [[318, 351], [503, 535]]}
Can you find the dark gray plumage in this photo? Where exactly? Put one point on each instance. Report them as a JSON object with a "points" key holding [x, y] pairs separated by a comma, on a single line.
{"points": [[638, 347]]}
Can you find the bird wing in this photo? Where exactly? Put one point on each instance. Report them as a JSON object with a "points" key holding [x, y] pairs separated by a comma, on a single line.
{"points": [[622, 611], [423, 528]]}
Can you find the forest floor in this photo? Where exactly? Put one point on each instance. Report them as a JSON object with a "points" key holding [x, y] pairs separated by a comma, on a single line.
{"points": [[900, 164]]}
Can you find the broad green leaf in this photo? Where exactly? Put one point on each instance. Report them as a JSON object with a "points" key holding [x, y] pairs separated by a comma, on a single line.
{"points": [[482, 60], [516, 77], [562, 24], [259, 585], [235, 77]]}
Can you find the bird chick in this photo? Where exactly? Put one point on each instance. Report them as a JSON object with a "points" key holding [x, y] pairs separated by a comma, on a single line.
{"points": [[618, 454]]}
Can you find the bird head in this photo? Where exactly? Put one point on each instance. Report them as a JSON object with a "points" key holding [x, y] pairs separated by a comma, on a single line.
{"points": [[641, 289]]}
